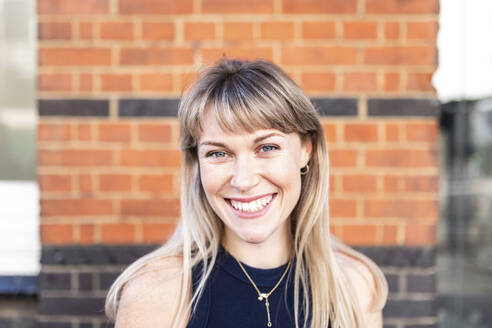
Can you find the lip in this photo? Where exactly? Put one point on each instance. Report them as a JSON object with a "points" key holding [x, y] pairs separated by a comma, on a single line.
{"points": [[250, 215], [249, 199]]}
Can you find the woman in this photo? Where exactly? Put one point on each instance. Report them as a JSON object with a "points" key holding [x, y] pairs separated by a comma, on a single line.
{"points": [[253, 246]]}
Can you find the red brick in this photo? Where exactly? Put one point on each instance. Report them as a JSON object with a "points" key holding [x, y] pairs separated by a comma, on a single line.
{"points": [[85, 82], [76, 207], [155, 7], [150, 207], [156, 56], [391, 30], [74, 157], [390, 183], [118, 233], [421, 183], [84, 132], [420, 82], [313, 82], [360, 235], [74, 57], [238, 31], [197, 31], [363, 81], [186, 80], [343, 158], [329, 55], [237, 7], [115, 132], [402, 7], [55, 182], [86, 184], [86, 234], [390, 235], [54, 31], [153, 158], [360, 132], [319, 6], [422, 31], [277, 31], [116, 31], [401, 208], [359, 183], [391, 81], [421, 235], [86, 30], [157, 232], [116, 82], [154, 132], [360, 30], [392, 132], [54, 131], [342, 208], [157, 31], [73, 7], [403, 55], [330, 131], [156, 82], [55, 82], [401, 158], [211, 55], [424, 132], [56, 234], [156, 183], [318, 30], [115, 182]]}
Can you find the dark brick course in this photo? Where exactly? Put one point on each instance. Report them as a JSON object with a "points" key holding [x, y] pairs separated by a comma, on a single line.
{"points": [[73, 107], [409, 308], [148, 107], [56, 281], [403, 107], [90, 305], [423, 283], [336, 106]]}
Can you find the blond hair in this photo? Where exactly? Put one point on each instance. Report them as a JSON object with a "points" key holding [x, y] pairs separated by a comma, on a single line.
{"points": [[259, 95]]}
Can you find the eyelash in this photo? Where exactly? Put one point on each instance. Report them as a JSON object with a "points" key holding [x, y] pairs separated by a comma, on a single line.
{"points": [[212, 153]]}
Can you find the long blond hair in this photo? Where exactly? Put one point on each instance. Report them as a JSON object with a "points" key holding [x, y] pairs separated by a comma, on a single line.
{"points": [[259, 95]]}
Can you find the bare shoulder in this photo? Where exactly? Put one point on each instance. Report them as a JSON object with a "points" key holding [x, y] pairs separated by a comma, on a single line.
{"points": [[150, 299], [363, 281]]}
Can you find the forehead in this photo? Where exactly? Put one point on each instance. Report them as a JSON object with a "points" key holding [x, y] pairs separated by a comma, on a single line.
{"points": [[211, 129]]}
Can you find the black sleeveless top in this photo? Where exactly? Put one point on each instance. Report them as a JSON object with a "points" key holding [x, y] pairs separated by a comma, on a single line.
{"points": [[230, 300]]}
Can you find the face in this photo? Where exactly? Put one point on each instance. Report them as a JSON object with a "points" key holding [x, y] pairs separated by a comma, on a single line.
{"points": [[251, 180]]}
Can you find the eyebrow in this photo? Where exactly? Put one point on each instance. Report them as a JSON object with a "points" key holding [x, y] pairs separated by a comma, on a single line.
{"points": [[257, 139]]}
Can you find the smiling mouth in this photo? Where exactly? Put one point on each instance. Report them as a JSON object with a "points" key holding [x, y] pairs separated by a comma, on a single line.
{"points": [[253, 206]]}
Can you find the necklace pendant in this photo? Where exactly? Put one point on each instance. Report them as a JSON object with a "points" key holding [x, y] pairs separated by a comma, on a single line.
{"points": [[262, 296]]}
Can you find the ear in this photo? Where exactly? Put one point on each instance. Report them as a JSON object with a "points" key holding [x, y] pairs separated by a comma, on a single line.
{"points": [[306, 150]]}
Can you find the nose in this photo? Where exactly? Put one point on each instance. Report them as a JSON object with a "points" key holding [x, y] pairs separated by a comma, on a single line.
{"points": [[245, 175]]}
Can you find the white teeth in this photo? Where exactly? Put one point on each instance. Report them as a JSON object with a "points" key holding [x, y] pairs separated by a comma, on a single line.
{"points": [[252, 206]]}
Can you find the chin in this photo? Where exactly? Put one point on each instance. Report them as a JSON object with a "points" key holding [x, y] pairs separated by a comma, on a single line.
{"points": [[253, 237]]}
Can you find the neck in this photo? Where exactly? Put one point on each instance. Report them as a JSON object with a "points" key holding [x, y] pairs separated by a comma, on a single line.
{"points": [[273, 252]]}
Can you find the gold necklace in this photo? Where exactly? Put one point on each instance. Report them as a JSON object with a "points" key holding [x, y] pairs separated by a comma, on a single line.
{"points": [[261, 295]]}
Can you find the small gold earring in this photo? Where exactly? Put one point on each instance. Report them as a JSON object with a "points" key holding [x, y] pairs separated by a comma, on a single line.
{"points": [[305, 169]]}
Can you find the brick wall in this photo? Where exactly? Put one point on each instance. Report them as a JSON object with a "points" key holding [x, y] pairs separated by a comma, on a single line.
{"points": [[110, 75]]}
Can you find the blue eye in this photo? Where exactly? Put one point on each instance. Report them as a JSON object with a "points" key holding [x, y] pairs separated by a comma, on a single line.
{"points": [[216, 154], [268, 148]]}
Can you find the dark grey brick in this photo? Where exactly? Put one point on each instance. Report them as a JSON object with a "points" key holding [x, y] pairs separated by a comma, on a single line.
{"points": [[400, 256], [106, 279], [403, 107], [6, 323], [336, 106], [421, 326], [409, 308], [73, 107], [51, 324], [88, 325], [393, 282], [86, 281], [148, 107], [18, 322], [389, 326], [107, 324], [93, 255], [58, 281], [421, 283], [71, 305]]}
